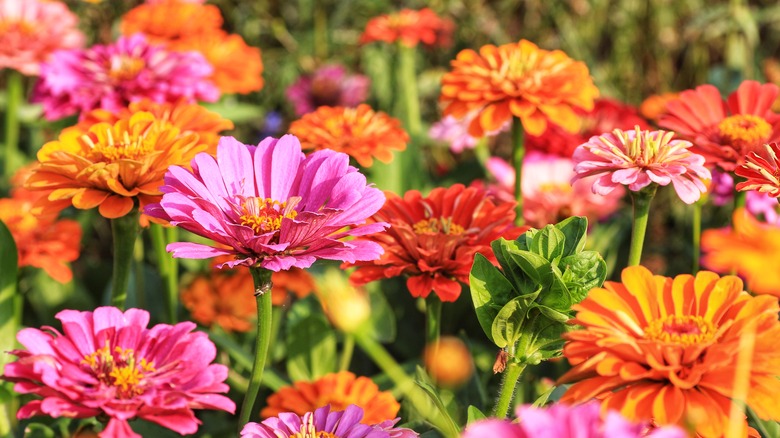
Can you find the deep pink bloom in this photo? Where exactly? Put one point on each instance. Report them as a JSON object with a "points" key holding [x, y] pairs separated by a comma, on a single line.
{"points": [[639, 158], [269, 205], [108, 363], [323, 422], [330, 85], [111, 76]]}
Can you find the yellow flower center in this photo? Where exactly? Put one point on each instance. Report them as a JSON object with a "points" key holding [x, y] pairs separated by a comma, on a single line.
{"points": [[684, 330], [438, 226], [125, 68], [124, 148], [555, 187], [309, 431], [119, 368], [745, 132], [23, 27], [264, 215]]}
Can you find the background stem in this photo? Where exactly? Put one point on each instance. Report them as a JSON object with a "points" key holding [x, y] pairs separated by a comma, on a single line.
{"points": [[15, 95], [124, 231], [518, 154]]}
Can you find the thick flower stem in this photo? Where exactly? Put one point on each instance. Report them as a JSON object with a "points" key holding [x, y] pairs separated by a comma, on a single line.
{"points": [[14, 96], [406, 76], [124, 231], [518, 154], [262, 280], [507, 394], [167, 271], [432, 323], [696, 236], [641, 201]]}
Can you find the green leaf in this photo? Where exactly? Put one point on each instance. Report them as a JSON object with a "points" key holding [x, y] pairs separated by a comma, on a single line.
{"points": [[583, 272], [424, 381], [533, 265], [548, 243], [556, 294], [489, 291], [311, 343], [521, 282], [381, 324], [237, 112], [575, 229], [10, 300], [38, 430], [542, 339], [474, 414], [508, 326]]}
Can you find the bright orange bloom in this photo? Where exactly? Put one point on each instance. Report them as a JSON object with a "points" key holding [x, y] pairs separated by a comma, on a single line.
{"points": [[162, 22], [666, 349], [339, 390], [359, 132], [518, 79], [410, 28], [654, 106], [762, 174], [295, 281], [449, 361], [115, 167], [750, 248]]}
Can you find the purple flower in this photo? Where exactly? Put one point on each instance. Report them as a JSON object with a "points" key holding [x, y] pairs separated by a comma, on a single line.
{"points": [[453, 131], [328, 86], [269, 205], [721, 187]]}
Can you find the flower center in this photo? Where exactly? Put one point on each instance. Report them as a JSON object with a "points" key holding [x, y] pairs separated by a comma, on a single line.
{"points": [[114, 149], [438, 226], [555, 187], [745, 132], [125, 68], [265, 215], [23, 27], [683, 330], [120, 369]]}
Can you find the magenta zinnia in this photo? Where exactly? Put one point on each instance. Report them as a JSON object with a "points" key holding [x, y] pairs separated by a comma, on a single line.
{"points": [[108, 363], [271, 206]]}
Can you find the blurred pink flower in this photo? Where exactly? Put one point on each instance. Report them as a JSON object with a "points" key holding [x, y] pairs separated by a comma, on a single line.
{"points": [[31, 30], [328, 86], [721, 187], [455, 132], [108, 363], [639, 158], [271, 206], [111, 76]]}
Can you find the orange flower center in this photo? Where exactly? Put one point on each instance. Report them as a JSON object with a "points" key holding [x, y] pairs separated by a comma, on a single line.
{"points": [[23, 27], [745, 132], [438, 226], [555, 187], [125, 68], [120, 369], [684, 330], [114, 149], [265, 215]]}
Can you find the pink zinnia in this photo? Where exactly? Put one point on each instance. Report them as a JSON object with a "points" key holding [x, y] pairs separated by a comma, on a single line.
{"points": [[31, 30], [111, 76], [330, 85], [269, 205], [108, 363], [639, 158], [326, 423]]}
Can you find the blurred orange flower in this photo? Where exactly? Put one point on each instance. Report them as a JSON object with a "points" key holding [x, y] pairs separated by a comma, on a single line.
{"points": [[162, 22], [654, 106], [410, 28], [359, 132], [750, 248], [449, 362], [518, 79], [665, 349], [338, 390]]}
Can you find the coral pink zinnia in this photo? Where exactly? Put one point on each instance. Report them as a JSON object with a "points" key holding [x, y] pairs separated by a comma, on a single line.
{"points": [[108, 363], [271, 206]]}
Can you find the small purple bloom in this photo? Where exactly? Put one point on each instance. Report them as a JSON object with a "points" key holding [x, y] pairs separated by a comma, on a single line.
{"points": [[328, 86]]}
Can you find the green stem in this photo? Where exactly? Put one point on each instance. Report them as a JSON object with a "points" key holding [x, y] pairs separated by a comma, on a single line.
{"points": [[740, 198], [346, 352], [262, 280], [407, 82], [167, 273], [482, 153], [124, 231], [14, 94], [432, 324], [641, 201], [696, 236], [518, 153], [505, 397]]}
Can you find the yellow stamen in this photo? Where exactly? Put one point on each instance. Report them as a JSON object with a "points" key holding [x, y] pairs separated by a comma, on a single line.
{"points": [[745, 132], [685, 330], [264, 215], [125, 68], [438, 226], [119, 369]]}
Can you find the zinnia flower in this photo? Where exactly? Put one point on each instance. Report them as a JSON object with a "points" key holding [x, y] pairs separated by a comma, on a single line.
{"points": [[111, 76], [725, 131], [359, 132], [662, 348], [449, 361], [433, 239], [31, 30], [762, 174], [521, 80], [347, 306], [639, 158], [749, 248], [271, 206], [654, 106], [327, 86], [108, 363], [113, 167], [339, 390], [410, 28], [324, 423], [166, 20]]}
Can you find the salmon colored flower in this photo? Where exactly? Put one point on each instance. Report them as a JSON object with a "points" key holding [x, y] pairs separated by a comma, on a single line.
{"points": [[433, 239], [115, 167], [410, 28], [338, 390], [725, 131], [654, 106], [292, 282], [358, 132], [762, 174], [749, 248], [521, 80], [31, 30], [665, 349], [109, 364], [163, 21], [329, 85]]}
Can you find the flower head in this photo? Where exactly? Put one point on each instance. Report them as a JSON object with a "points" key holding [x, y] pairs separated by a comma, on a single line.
{"points": [[31, 30], [410, 28], [725, 131], [639, 158], [433, 239], [449, 361], [359, 132], [163, 21], [271, 206], [663, 348], [762, 174], [654, 106], [111, 76], [109, 363], [519, 79], [329, 85], [347, 306]]}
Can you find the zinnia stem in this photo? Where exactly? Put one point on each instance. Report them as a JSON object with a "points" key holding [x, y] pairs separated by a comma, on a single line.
{"points": [[518, 153], [14, 96], [167, 272], [641, 201], [507, 394], [262, 280], [124, 231], [346, 352], [406, 77], [432, 322], [696, 236]]}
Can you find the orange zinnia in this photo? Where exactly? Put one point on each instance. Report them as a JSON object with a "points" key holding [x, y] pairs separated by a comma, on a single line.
{"points": [[750, 248], [665, 349], [359, 132], [115, 167], [168, 20], [338, 390], [519, 79], [410, 28]]}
